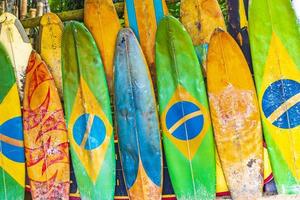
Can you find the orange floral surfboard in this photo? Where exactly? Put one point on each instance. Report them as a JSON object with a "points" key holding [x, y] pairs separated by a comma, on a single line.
{"points": [[45, 134]]}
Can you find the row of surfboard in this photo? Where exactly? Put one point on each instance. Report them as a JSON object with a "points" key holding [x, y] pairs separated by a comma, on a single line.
{"points": [[78, 70]]}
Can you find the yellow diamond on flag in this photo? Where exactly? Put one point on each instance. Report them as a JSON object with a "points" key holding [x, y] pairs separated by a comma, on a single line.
{"points": [[90, 130], [185, 122]]}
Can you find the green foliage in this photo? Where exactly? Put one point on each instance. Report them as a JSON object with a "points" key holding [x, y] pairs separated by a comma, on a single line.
{"points": [[63, 5], [174, 9]]}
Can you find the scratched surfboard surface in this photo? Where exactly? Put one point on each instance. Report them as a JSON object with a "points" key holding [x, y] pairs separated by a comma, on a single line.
{"points": [[137, 120], [51, 29], [275, 51], [201, 18], [238, 26], [45, 134], [15, 40], [187, 131], [12, 159], [142, 16], [88, 114], [235, 117], [269, 183], [101, 18]]}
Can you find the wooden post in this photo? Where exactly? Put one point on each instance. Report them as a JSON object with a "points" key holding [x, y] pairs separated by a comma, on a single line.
{"points": [[23, 9], [32, 14], [40, 9]]}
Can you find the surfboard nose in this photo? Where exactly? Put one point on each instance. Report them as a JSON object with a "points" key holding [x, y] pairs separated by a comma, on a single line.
{"points": [[124, 32]]}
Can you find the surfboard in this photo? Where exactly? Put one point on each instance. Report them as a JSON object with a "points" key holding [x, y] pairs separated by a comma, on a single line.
{"points": [[238, 26], [235, 117], [184, 113], [201, 18], [45, 134], [276, 62], [88, 114], [12, 159], [142, 17], [101, 18], [50, 32], [14, 39], [137, 120]]}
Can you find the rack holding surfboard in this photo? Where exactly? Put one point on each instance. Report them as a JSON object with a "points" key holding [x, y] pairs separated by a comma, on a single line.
{"points": [[276, 62]]}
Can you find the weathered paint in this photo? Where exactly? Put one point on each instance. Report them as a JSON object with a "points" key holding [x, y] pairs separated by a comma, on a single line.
{"points": [[51, 29], [12, 159], [269, 183], [235, 117], [142, 16], [88, 114], [101, 18], [137, 120], [45, 134], [275, 50], [15, 40], [201, 18], [187, 131]]}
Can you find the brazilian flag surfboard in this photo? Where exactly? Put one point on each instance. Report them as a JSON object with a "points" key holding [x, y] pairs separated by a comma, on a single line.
{"points": [[88, 114], [275, 39], [187, 131], [12, 158]]}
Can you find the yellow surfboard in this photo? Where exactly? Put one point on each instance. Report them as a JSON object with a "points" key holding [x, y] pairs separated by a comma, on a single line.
{"points": [[142, 16], [200, 18], [45, 134], [235, 117], [101, 18], [14, 39], [50, 46]]}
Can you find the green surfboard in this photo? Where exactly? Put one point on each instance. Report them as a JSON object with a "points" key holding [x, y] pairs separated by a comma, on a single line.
{"points": [[88, 114], [184, 112], [274, 39], [12, 158]]}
